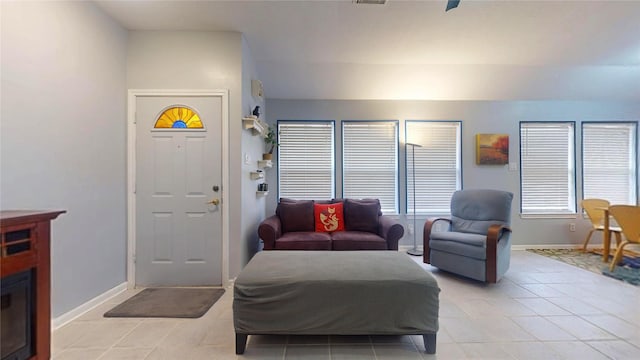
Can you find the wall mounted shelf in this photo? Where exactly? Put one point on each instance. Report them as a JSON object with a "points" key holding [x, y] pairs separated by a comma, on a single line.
{"points": [[256, 175], [256, 125], [262, 193], [265, 164]]}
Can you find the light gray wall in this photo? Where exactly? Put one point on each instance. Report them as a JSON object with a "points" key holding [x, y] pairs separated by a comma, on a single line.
{"points": [[476, 117], [253, 205], [63, 138], [202, 60]]}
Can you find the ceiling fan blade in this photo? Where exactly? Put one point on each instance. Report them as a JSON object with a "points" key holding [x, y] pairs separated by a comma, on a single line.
{"points": [[452, 4]]}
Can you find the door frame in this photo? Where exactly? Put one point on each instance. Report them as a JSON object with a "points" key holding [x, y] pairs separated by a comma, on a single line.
{"points": [[132, 96]]}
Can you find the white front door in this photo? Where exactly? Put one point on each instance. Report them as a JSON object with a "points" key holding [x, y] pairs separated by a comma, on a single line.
{"points": [[178, 239]]}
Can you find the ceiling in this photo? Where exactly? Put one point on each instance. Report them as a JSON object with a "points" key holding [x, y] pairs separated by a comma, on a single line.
{"points": [[578, 50]]}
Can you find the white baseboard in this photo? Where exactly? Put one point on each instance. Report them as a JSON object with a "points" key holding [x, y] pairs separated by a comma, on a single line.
{"points": [[69, 316], [522, 247]]}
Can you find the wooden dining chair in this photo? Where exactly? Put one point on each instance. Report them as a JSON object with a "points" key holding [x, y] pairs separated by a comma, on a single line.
{"points": [[628, 217], [594, 209]]}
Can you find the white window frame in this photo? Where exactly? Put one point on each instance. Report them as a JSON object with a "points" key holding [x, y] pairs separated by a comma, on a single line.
{"points": [[540, 166], [438, 171], [609, 161], [367, 163], [309, 159]]}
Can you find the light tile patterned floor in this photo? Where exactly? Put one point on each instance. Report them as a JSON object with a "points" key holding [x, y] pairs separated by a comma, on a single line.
{"points": [[542, 309]]}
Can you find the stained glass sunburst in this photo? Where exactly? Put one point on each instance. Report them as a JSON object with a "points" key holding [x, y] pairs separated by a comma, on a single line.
{"points": [[178, 117]]}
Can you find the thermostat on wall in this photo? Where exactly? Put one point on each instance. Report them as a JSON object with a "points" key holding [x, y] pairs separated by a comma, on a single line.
{"points": [[256, 89]]}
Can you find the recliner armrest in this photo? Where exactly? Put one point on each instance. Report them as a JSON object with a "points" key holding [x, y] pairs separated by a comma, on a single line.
{"points": [[269, 231], [496, 231], [494, 234], [391, 230], [426, 236]]}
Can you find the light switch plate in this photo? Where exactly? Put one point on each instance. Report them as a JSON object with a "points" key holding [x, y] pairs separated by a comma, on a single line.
{"points": [[247, 159]]}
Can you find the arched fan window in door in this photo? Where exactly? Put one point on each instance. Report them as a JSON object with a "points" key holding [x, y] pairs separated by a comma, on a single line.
{"points": [[178, 117]]}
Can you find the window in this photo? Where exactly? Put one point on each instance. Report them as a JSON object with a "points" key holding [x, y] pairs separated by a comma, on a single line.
{"points": [[306, 159], [370, 162], [609, 169], [438, 164], [547, 168], [178, 117]]}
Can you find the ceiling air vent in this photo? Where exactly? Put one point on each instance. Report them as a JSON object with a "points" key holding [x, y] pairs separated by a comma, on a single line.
{"points": [[374, 2]]}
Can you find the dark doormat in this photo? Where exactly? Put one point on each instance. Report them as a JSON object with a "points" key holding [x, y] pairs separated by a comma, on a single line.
{"points": [[168, 303]]}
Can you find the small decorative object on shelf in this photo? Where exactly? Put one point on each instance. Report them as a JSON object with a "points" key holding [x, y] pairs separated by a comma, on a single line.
{"points": [[263, 189], [270, 139], [256, 111]]}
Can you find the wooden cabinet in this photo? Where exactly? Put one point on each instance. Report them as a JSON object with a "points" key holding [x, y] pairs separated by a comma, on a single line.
{"points": [[25, 246]]}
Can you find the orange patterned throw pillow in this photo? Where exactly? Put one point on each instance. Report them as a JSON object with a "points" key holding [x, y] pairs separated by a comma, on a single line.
{"points": [[329, 217]]}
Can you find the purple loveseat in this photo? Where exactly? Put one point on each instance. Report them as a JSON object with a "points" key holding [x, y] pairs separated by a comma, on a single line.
{"points": [[293, 227]]}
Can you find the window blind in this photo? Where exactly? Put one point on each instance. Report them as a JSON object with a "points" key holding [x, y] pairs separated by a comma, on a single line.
{"points": [[370, 162], [609, 169], [306, 160], [437, 165], [547, 167]]}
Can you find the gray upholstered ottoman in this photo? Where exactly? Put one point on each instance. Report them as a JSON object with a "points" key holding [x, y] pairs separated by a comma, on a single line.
{"points": [[335, 293]]}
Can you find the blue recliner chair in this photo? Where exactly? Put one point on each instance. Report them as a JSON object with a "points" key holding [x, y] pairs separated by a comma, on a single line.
{"points": [[477, 242]]}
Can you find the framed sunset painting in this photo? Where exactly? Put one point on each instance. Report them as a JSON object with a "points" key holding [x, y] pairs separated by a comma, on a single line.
{"points": [[492, 149]]}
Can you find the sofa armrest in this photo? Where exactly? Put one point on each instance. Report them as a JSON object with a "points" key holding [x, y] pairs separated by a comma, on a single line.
{"points": [[269, 231], [426, 237], [391, 230]]}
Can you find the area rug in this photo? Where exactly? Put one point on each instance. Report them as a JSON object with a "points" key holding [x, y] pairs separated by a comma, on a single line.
{"points": [[628, 270], [168, 303]]}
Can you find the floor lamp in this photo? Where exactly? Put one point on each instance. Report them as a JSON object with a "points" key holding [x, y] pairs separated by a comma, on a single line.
{"points": [[415, 251]]}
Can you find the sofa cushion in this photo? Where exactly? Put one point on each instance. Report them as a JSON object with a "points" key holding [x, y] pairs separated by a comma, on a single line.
{"points": [[361, 215], [295, 215], [357, 240], [304, 240], [288, 200], [337, 200], [328, 217], [462, 238]]}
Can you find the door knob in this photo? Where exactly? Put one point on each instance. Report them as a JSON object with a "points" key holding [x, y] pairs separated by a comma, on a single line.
{"points": [[214, 202]]}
